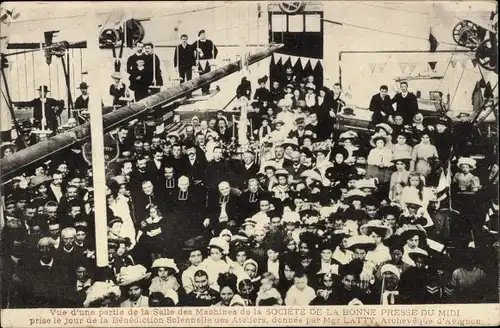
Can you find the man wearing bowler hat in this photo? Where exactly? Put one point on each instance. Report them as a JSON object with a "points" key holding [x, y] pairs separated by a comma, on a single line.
{"points": [[53, 109], [82, 102]]}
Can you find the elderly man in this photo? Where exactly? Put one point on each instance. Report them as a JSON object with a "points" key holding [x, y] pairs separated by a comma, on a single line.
{"points": [[48, 277], [223, 209]]}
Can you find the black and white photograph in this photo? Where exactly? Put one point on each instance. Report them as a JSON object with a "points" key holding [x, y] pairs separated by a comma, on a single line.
{"points": [[251, 154]]}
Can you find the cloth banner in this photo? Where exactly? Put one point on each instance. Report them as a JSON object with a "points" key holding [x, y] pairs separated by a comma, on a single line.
{"points": [[382, 67], [372, 67]]}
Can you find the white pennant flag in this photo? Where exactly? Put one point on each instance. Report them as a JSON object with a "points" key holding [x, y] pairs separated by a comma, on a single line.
{"points": [[411, 67], [403, 66], [372, 67], [382, 67], [486, 73], [277, 58], [303, 61], [314, 62], [293, 60], [464, 62], [284, 58]]}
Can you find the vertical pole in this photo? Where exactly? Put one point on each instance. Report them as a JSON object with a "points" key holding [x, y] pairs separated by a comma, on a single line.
{"points": [[97, 138]]}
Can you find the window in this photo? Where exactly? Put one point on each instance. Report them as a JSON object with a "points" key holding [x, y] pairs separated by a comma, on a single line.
{"points": [[313, 23], [278, 23], [296, 23]]}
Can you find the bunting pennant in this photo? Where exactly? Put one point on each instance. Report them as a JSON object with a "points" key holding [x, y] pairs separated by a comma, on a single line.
{"points": [[403, 66], [303, 61], [372, 67], [314, 62], [382, 67], [474, 62], [453, 63], [432, 65], [277, 58], [464, 62], [293, 60], [411, 67]]}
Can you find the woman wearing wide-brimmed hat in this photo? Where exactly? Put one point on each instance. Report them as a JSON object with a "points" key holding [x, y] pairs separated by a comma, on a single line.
{"points": [[414, 283], [216, 263], [164, 280], [132, 279], [465, 180], [413, 237], [102, 294], [378, 232], [379, 161], [399, 178]]}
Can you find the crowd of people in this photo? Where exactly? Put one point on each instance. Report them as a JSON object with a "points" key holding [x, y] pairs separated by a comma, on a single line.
{"points": [[312, 215]]}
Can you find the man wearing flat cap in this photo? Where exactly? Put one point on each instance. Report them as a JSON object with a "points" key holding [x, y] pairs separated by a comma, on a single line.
{"points": [[204, 50]]}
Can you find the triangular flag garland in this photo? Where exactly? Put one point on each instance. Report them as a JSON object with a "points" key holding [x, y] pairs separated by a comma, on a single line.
{"points": [[411, 67], [372, 67], [382, 67], [464, 62], [474, 62], [293, 60], [314, 62], [432, 65], [453, 63], [403, 66], [303, 61]]}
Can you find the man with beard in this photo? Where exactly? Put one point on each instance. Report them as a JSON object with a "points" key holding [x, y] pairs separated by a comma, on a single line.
{"points": [[145, 197], [222, 209], [279, 157], [125, 141], [250, 198], [296, 168], [246, 169], [141, 172], [49, 283], [300, 132], [193, 166]]}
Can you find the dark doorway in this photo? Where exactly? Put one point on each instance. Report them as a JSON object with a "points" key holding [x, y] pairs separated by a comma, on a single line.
{"points": [[302, 36]]}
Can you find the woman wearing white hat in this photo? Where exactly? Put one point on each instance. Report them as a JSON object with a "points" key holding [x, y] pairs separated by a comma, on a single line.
{"points": [[102, 294], [216, 262], [164, 281], [378, 232], [464, 179], [132, 278]]}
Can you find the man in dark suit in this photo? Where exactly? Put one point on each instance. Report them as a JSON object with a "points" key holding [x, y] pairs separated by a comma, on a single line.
{"points": [[184, 59], [217, 170], [49, 285], [157, 164], [152, 62], [279, 157], [249, 199], [145, 197], [176, 160], [168, 183], [406, 104], [52, 108], [125, 141], [141, 172], [247, 169], [193, 166], [82, 102], [295, 169], [222, 209], [132, 60], [204, 50], [381, 106]]}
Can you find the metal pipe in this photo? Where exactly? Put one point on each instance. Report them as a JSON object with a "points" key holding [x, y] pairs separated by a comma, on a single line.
{"points": [[14, 163]]}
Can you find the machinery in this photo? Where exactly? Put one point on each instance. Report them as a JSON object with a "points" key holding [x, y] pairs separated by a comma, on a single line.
{"points": [[482, 38]]}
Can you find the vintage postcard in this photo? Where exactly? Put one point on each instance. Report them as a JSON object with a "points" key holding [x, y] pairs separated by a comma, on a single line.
{"points": [[249, 163]]}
